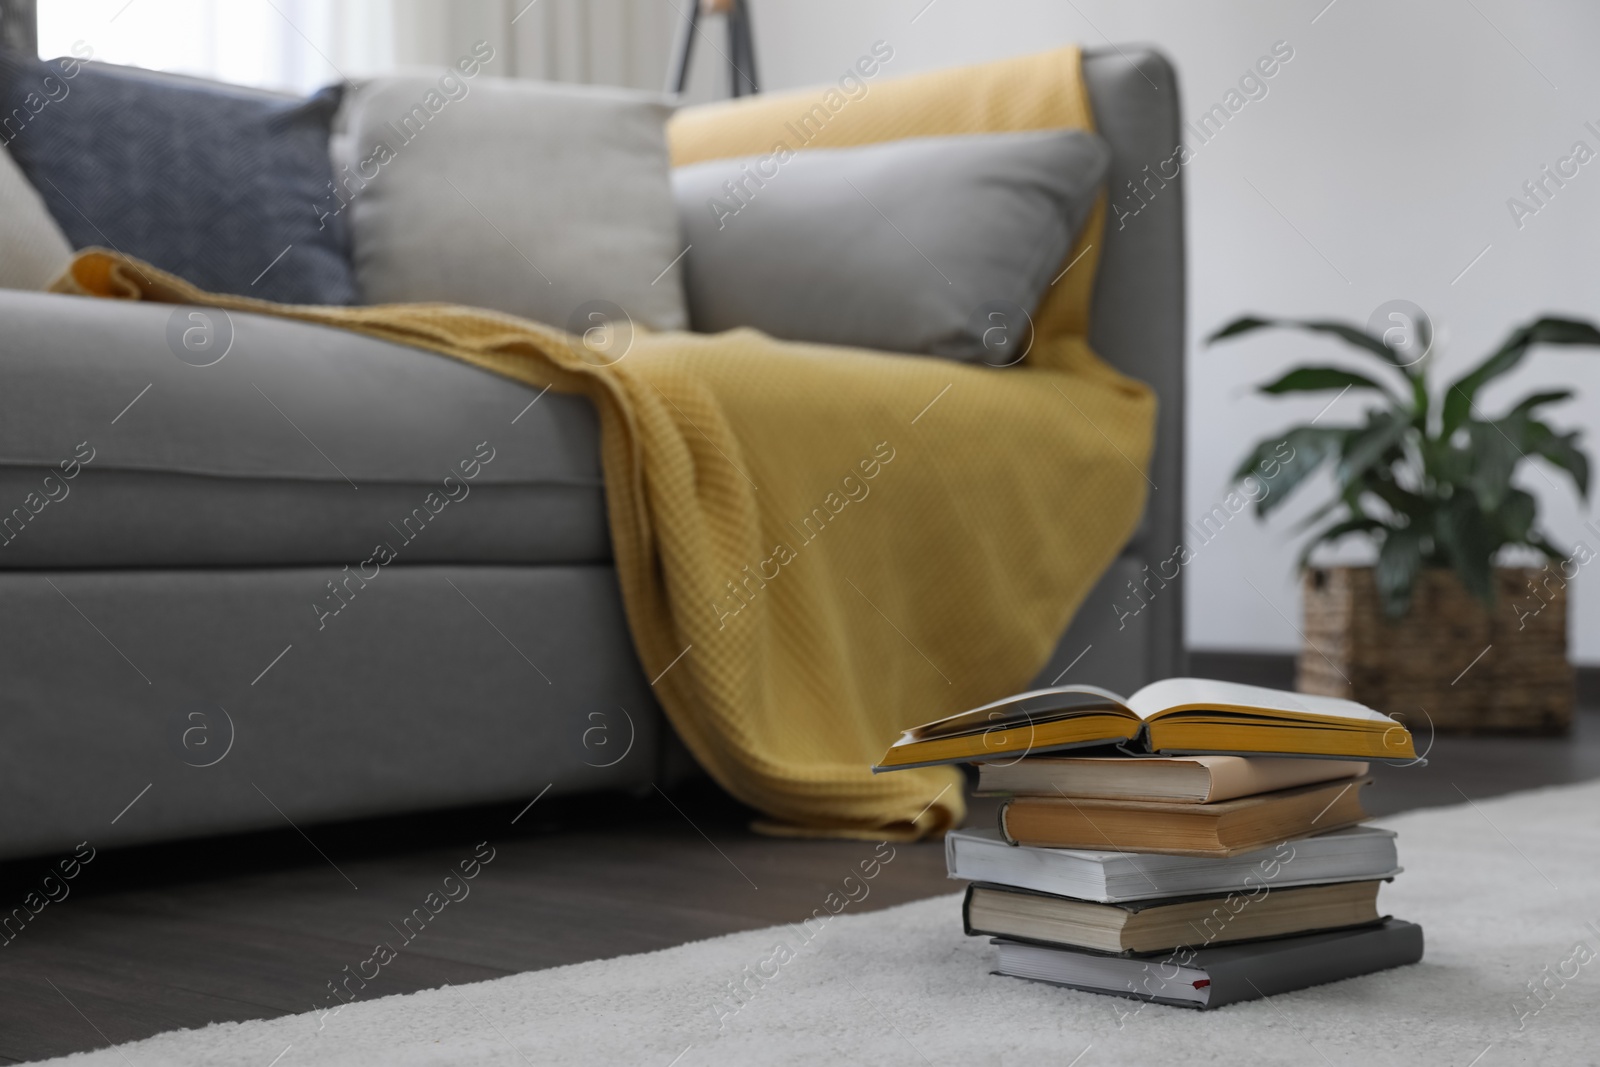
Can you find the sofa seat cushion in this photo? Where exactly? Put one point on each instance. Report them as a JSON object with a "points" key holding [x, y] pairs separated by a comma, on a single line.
{"points": [[292, 444]]}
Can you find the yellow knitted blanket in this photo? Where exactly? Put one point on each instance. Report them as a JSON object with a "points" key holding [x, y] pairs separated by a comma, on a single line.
{"points": [[817, 546]]}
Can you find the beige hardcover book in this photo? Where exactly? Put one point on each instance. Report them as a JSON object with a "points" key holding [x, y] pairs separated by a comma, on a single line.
{"points": [[1221, 829], [1181, 779]]}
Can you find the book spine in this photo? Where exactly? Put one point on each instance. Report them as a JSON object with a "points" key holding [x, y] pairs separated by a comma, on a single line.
{"points": [[966, 912], [1393, 944], [1005, 831]]}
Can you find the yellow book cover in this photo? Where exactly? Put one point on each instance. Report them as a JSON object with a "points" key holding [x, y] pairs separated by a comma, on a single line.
{"points": [[1175, 716]]}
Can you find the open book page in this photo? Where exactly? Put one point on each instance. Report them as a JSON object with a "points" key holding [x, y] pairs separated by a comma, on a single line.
{"points": [[1205, 693], [1038, 705]]}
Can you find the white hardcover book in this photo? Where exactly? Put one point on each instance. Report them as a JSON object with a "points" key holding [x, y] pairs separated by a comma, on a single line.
{"points": [[1360, 853]]}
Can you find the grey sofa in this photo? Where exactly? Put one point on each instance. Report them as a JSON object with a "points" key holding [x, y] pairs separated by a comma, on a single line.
{"points": [[172, 662]]}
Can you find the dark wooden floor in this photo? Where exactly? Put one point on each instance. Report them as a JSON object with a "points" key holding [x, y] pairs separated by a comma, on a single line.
{"points": [[253, 927]]}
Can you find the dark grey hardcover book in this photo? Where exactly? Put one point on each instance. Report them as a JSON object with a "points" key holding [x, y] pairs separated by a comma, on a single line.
{"points": [[1212, 977]]}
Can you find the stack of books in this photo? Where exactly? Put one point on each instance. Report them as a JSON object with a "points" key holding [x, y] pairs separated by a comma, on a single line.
{"points": [[1196, 844]]}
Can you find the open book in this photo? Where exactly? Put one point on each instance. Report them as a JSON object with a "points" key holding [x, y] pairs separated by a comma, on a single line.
{"points": [[1195, 716]]}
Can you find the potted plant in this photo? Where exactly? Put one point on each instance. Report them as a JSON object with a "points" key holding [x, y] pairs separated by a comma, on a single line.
{"points": [[1435, 631]]}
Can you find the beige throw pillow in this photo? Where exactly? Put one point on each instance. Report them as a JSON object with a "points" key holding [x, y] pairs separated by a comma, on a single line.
{"points": [[33, 250]]}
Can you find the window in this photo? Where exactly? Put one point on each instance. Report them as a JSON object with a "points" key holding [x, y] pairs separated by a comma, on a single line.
{"points": [[299, 46], [288, 45]]}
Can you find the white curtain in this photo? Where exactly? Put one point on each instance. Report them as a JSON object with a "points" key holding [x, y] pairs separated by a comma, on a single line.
{"points": [[300, 45], [602, 42]]}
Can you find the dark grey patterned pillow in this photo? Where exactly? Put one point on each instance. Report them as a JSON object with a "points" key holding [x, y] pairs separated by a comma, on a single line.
{"points": [[216, 184]]}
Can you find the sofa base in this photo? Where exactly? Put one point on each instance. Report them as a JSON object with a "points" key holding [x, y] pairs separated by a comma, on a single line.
{"points": [[140, 705], [145, 705]]}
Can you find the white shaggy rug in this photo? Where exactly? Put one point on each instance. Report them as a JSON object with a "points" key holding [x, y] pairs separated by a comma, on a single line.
{"points": [[1507, 892]]}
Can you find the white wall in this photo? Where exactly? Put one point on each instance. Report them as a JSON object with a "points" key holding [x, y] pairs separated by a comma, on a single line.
{"points": [[1377, 167], [1390, 144]]}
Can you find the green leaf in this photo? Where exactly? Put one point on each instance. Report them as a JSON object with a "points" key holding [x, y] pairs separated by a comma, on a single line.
{"points": [[1290, 459], [1494, 458], [1535, 400], [1420, 403], [1515, 517], [1553, 331], [1359, 524], [1348, 334], [1244, 324], [1321, 379], [1452, 463], [1261, 458], [1352, 336], [1552, 553], [1463, 392], [1399, 560], [1326, 508], [1413, 506], [1461, 529], [1384, 430], [1266, 459], [1561, 450]]}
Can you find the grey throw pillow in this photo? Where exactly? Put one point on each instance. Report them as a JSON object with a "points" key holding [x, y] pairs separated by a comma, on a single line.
{"points": [[544, 201], [935, 246]]}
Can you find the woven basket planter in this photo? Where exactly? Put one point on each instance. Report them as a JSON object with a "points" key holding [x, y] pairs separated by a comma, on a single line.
{"points": [[1450, 660]]}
